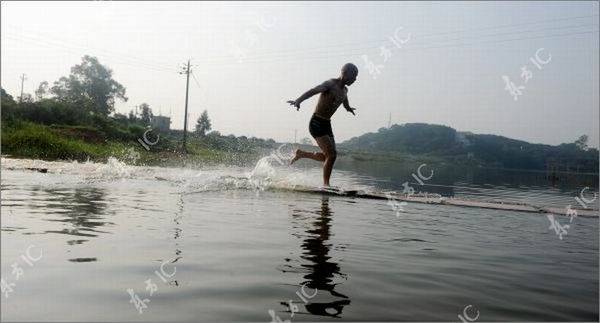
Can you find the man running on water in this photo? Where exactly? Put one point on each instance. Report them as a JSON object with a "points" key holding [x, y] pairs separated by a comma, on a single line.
{"points": [[333, 93]]}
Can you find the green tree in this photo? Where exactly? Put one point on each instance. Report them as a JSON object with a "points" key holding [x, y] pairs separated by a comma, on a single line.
{"points": [[5, 97], [582, 142], [90, 86], [26, 98], [146, 115], [203, 124], [9, 109], [41, 91]]}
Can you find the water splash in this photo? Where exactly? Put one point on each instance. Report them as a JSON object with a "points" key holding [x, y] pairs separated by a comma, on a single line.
{"points": [[113, 169], [130, 156], [270, 172]]}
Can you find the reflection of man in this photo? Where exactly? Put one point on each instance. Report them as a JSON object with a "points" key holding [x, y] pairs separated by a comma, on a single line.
{"points": [[321, 269]]}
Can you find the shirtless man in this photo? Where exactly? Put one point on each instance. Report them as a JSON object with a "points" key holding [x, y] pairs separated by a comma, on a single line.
{"points": [[333, 93]]}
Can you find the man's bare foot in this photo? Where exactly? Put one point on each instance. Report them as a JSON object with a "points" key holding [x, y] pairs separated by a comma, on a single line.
{"points": [[327, 187], [296, 157]]}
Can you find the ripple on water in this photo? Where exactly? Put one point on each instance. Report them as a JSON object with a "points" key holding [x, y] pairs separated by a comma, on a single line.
{"points": [[240, 249]]}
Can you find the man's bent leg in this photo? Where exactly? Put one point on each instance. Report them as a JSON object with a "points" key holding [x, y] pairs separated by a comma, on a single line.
{"points": [[305, 154], [327, 145]]}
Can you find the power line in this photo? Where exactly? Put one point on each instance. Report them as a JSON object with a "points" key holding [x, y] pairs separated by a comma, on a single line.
{"points": [[196, 80], [124, 60], [294, 51], [70, 50], [44, 37], [519, 24], [412, 49], [345, 52], [275, 56], [512, 39], [408, 49]]}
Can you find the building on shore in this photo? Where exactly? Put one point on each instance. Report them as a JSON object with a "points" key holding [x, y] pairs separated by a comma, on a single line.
{"points": [[161, 123]]}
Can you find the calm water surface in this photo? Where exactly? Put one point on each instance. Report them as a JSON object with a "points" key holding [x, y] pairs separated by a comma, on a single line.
{"points": [[232, 248]]}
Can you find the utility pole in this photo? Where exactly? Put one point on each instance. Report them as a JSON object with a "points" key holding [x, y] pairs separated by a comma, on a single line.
{"points": [[186, 70], [295, 136], [390, 121], [23, 78]]}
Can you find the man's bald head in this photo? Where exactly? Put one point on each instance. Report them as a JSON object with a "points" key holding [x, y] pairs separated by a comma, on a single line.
{"points": [[349, 73]]}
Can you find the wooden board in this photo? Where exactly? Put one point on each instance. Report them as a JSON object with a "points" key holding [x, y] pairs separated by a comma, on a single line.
{"points": [[439, 200], [326, 191]]}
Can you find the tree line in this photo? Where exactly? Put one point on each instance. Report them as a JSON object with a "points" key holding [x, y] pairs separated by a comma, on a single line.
{"points": [[87, 96], [485, 150], [81, 106]]}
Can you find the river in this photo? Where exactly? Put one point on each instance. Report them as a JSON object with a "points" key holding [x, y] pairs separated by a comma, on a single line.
{"points": [[115, 242]]}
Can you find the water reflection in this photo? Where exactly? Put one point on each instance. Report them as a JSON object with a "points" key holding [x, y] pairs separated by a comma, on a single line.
{"points": [[462, 181], [319, 268], [449, 174], [83, 208], [177, 235]]}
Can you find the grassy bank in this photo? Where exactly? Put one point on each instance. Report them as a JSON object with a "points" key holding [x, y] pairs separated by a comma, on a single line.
{"points": [[31, 140]]}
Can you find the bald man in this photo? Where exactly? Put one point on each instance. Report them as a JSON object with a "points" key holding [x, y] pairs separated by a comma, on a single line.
{"points": [[333, 93]]}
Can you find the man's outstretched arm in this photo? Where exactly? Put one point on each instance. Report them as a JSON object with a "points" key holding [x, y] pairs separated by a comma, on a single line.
{"points": [[316, 90], [347, 106]]}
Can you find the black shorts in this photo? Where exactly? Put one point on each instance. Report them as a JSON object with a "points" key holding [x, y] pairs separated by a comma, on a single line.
{"points": [[319, 127]]}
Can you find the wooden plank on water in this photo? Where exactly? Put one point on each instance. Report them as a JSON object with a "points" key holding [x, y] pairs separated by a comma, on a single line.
{"points": [[439, 200]]}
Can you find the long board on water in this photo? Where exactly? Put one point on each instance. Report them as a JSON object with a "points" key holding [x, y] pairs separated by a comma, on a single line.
{"points": [[335, 191], [440, 200]]}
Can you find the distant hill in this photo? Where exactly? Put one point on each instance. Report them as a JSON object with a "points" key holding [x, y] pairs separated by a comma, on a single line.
{"points": [[485, 150]]}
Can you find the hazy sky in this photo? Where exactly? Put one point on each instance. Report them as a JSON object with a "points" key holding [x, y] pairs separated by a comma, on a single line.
{"points": [[249, 58]]}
